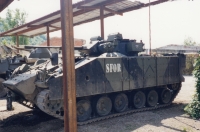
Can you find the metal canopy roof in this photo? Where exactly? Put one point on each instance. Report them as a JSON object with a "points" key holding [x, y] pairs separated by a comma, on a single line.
{"points": [[83, 12], [4, 4]]}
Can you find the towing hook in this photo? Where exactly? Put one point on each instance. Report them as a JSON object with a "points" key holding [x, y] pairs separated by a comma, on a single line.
{"points": [[9, 101]]}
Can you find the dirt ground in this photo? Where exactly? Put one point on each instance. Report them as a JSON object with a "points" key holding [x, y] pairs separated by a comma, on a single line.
{"points": [[170, 119]]}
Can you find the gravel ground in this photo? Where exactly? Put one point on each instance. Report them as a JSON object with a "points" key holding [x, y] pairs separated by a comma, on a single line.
{"points": [[170, 119]]}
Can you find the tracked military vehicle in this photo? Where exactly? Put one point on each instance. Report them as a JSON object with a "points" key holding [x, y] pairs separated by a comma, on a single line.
{"points": [[112, 79], [8, 62], [7, 65]]}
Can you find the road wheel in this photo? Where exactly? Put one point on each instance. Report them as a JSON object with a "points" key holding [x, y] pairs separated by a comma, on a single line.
{"points": [[120, 102], [139, 99], [152, 98], [166, 96], [84, 110], [103, 106]]}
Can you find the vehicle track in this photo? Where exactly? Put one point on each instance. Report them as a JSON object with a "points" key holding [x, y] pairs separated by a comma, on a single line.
{"points": [[44, 94]]}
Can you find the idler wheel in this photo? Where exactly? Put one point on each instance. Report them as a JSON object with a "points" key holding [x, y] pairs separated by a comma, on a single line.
{"points": [[139, 100], [54, 105], [152, 98], [103, 106], [175, 86], [120, 102], [84, 110], [49, 105], [166, 96]]}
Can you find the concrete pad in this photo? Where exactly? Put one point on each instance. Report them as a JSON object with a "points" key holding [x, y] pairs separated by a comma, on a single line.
{"points": [[3, 108]]}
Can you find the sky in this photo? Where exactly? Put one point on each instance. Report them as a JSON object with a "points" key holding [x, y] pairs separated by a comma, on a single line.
{"points": [[171, 22]]}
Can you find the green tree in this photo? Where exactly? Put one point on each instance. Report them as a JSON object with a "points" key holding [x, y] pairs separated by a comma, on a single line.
{"points": [[189, 42], [37, 40], [15, 18], [193, 109]]}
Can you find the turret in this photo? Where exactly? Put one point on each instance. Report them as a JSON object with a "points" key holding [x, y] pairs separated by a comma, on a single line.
{"points": [[114, 43]]}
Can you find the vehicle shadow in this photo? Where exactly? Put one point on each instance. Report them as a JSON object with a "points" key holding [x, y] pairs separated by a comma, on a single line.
{"points": [[38, 121], [28, 121], [163, 118]]}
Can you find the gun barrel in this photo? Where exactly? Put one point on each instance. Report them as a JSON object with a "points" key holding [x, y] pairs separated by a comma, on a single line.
{"points": [[78, 47]]}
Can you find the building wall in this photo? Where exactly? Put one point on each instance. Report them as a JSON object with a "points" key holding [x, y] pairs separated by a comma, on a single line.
{"points": [[58, 42]]}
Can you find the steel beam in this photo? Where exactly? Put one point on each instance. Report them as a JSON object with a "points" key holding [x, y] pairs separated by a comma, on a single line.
{"points": [[102, 22], [149, 29], [17, 43], [48, 38], [5, 3], [69, 89]]}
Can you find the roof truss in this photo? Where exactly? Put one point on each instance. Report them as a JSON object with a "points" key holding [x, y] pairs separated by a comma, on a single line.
{"points": [[83, 12]]}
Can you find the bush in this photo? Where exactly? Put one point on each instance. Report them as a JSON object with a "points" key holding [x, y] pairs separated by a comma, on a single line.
{"points": [[193, 109], [190, 59]]}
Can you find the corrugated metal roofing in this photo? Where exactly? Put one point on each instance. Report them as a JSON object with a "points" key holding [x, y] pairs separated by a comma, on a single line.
{"points": [[83, 12], [174, 48], [179, 47]]}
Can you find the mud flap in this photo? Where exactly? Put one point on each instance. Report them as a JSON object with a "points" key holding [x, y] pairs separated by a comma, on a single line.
{"points": [[55, 87]]}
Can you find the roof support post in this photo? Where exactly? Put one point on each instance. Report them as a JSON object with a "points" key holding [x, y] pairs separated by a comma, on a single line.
{"points": [[149, 29], [48, 38], [102, 22], [17, 43], [69, 89]]}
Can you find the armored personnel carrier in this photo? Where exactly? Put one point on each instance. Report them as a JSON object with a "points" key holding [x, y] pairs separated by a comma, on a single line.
{"points": [[112, 79], [8, 62], [7, 65]]}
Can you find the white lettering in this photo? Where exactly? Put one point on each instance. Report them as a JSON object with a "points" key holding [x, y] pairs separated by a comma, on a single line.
{"points": [[113, 68], [107, 68], [119, 68]]}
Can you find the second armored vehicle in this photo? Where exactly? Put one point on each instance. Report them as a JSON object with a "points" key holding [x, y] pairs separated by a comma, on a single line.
{"points": [[8, 63]]}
